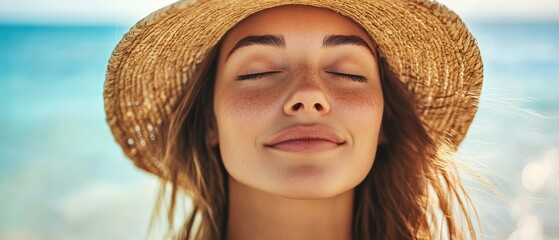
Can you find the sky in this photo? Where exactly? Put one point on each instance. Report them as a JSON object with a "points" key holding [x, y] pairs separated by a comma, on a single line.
{"points": [[129, 11]]}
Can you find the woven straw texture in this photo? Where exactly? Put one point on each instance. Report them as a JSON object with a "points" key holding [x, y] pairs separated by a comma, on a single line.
{"points": [[424, 43]]}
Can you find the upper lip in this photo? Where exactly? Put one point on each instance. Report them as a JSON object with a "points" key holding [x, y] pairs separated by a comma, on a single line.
{"points": [[301, 132]]}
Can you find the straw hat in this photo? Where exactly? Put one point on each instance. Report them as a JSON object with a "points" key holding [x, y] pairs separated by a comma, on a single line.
{"points": [[425, 44]]}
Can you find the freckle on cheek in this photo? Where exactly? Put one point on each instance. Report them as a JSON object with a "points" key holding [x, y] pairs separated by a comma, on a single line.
{"points": [[362, 99], [249, 103]]}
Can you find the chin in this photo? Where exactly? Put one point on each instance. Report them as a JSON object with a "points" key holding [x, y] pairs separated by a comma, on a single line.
{"points": [[307, 183], [311, 194]]}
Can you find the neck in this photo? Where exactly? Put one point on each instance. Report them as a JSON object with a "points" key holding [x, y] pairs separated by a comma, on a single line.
{"points": [[254, 214]]}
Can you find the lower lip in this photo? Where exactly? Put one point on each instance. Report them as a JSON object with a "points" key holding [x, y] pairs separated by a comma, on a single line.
{"points": [[307, 145]]}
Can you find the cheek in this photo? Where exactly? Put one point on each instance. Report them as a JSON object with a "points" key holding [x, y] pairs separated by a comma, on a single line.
{"points": [[363, 107], [241, 117], [241, 109], [362, 115], [362, 112]]}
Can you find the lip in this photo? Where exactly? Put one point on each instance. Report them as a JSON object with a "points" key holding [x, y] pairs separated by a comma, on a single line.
{"points": [[306, 139]]}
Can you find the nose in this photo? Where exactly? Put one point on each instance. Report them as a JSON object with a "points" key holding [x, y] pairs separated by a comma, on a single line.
{"points": [[308, 97]]}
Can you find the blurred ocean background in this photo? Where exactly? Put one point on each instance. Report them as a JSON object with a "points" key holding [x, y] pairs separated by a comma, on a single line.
{"points": [[62, 176]]}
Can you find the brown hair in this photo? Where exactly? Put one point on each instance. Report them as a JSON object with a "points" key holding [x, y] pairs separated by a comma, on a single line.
{"points": [[412, 192]]}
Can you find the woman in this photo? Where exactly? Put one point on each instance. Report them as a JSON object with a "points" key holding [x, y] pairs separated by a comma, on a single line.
{"points": [[301, 119]]}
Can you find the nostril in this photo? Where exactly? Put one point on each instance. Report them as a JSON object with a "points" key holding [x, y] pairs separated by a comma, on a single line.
{"points": [[297, 106], [318, 107]]}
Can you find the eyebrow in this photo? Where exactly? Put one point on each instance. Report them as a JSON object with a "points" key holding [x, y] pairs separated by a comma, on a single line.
{"points": [[279, 41], [337, 40], [270, 40]]}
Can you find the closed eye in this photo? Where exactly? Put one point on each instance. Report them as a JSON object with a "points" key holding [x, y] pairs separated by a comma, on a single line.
{"points": [[254, 76], [353, 77]]}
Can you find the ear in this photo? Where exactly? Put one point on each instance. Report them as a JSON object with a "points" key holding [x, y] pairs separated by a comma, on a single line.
{"points": [[212, 136], [382, 138]]}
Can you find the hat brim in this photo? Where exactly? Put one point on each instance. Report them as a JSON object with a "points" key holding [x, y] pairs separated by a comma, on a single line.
{"points": [[425, 44]]}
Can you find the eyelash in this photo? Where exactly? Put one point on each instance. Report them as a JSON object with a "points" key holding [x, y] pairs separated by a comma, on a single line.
{"points": [[352, 77], [254, 76]]}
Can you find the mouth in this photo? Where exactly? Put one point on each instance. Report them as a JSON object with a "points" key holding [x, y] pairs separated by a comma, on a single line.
{"points": [[306, 139]]}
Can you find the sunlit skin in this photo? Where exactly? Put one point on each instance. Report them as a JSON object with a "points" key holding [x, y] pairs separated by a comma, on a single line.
{"points": [[298, 118]]}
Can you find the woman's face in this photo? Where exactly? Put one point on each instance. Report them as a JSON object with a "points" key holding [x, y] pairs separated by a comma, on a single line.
{"points": [[298, 102]]}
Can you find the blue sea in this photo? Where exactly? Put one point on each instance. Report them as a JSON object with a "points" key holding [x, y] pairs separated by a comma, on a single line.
{"points": [[62, 176]]}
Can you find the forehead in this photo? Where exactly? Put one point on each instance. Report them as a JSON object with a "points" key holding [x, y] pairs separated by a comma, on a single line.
{"points": [[296, 20]]}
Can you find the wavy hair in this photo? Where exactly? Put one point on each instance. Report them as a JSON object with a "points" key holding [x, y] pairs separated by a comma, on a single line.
{"points": [[413, 190]]}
